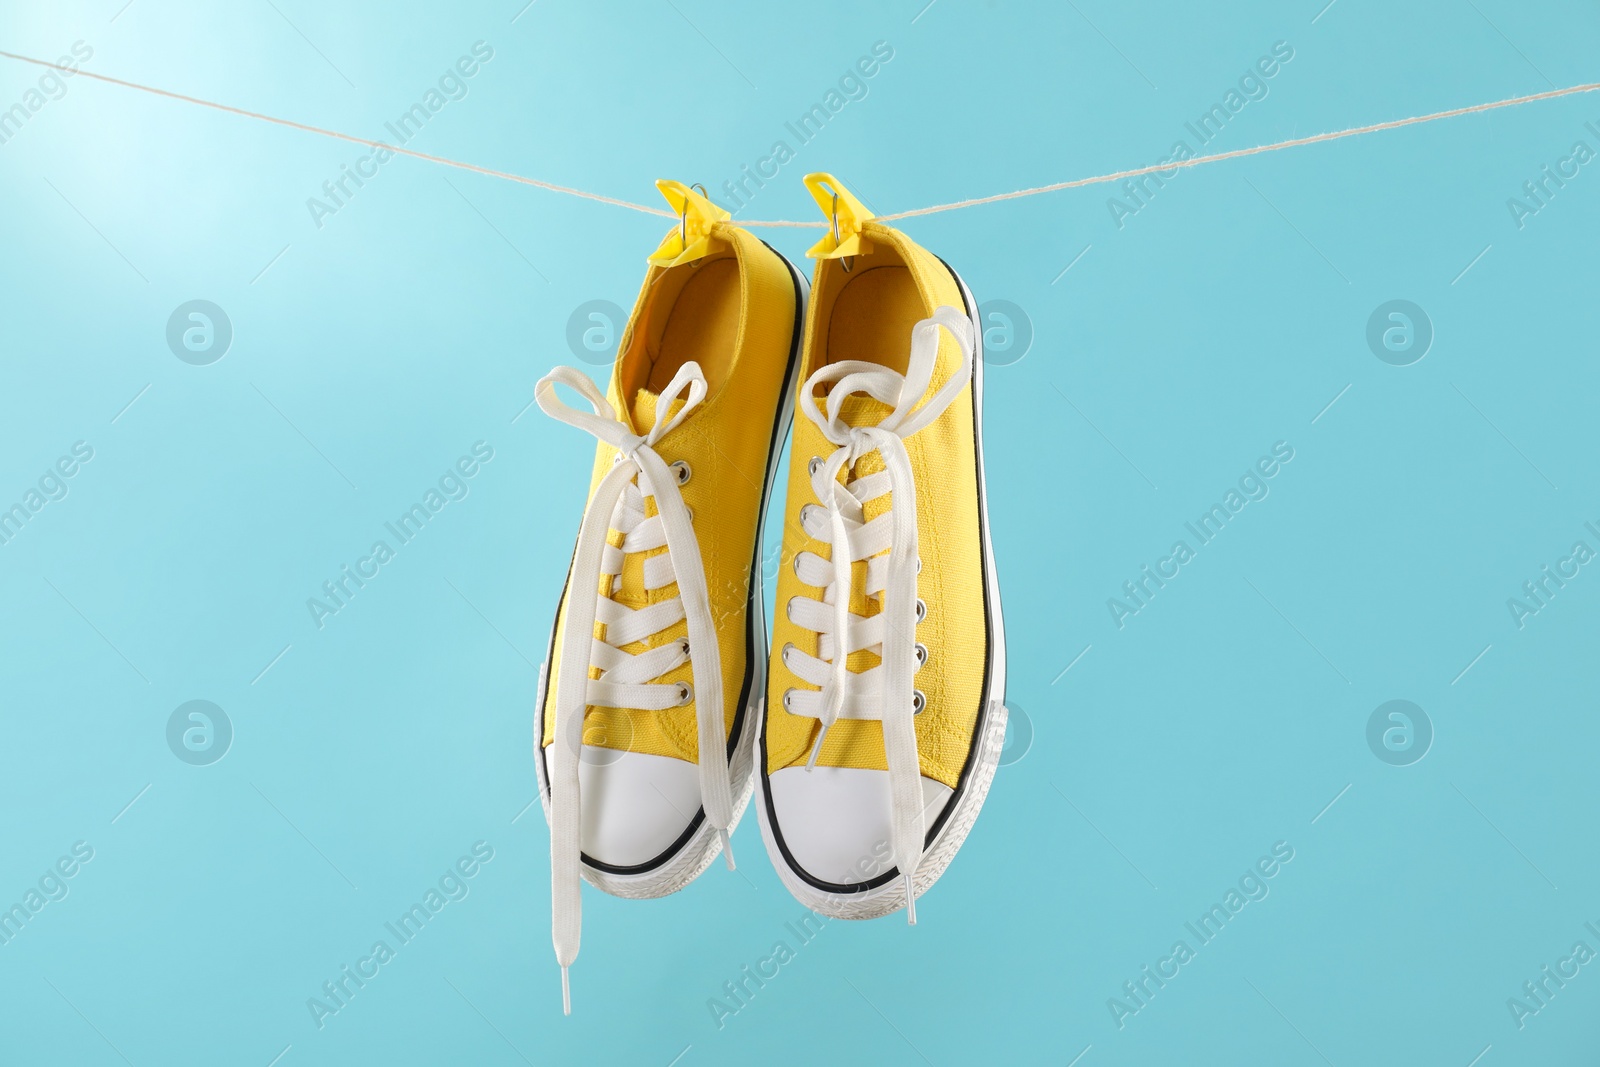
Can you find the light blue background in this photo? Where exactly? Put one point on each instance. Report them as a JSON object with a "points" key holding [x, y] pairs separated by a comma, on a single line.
{"points": [[370, 353]]}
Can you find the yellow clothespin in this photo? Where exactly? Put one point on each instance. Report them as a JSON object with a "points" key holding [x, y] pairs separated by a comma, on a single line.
{"points": [[845, 215], [691, 239]]}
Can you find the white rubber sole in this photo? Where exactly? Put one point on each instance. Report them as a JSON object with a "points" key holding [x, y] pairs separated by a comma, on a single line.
{"points": [[703, 846], [989, 737]]}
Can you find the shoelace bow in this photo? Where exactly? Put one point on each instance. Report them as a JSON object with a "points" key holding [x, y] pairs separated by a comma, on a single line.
{"points": [[624, 680], [886, 692]]}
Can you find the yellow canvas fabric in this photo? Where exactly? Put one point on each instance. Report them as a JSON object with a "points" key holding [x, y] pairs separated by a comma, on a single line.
{"points": [[943, 458], [733, 313]]}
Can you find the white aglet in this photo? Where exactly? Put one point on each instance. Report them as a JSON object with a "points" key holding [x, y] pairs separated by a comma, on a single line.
{"points": [[911, 903], [727, 848], [816, 750], [566, 994]]}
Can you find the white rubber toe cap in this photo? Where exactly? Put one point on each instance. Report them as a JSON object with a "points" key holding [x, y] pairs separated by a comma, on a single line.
{"points": [[835, 821], [635, 806]]}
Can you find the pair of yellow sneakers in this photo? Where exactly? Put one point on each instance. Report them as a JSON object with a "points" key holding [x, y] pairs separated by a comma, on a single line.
{"points": [[879, 705]]}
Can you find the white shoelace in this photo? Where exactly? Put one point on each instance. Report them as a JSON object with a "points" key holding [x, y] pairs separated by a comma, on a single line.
{"points": [[886, 692], [624, 682]]}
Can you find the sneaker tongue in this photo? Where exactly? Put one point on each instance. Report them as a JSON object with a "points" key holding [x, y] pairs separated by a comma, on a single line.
{"points": [[644, 409], [860, 410], [631, 590]]}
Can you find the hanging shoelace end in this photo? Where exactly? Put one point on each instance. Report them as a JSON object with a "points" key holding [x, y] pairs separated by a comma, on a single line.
{"points": [[727, 848], [816, 749], [566, 993], [911, 903]]}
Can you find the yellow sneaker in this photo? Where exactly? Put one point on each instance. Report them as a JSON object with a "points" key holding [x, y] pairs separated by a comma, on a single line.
{"points": [[885, 707], [657, 712]]}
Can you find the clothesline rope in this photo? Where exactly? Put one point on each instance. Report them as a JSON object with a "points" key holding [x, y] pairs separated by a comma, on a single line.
{"points": [[336, 135], [1076, 183]]}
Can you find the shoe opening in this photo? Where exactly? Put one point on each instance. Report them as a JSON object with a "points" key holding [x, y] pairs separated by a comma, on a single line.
{"points": [[692, 312]]}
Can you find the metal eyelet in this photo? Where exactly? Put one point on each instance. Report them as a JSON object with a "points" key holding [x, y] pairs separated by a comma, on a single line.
{"points": [[683, 645], [683, 469], [805, 509], [685, 693], [919, 564], [690, 511], [784, 655], [922, 655], [794, 561], [815, 465], [922, 610], [788, 702], [918, 702]]}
